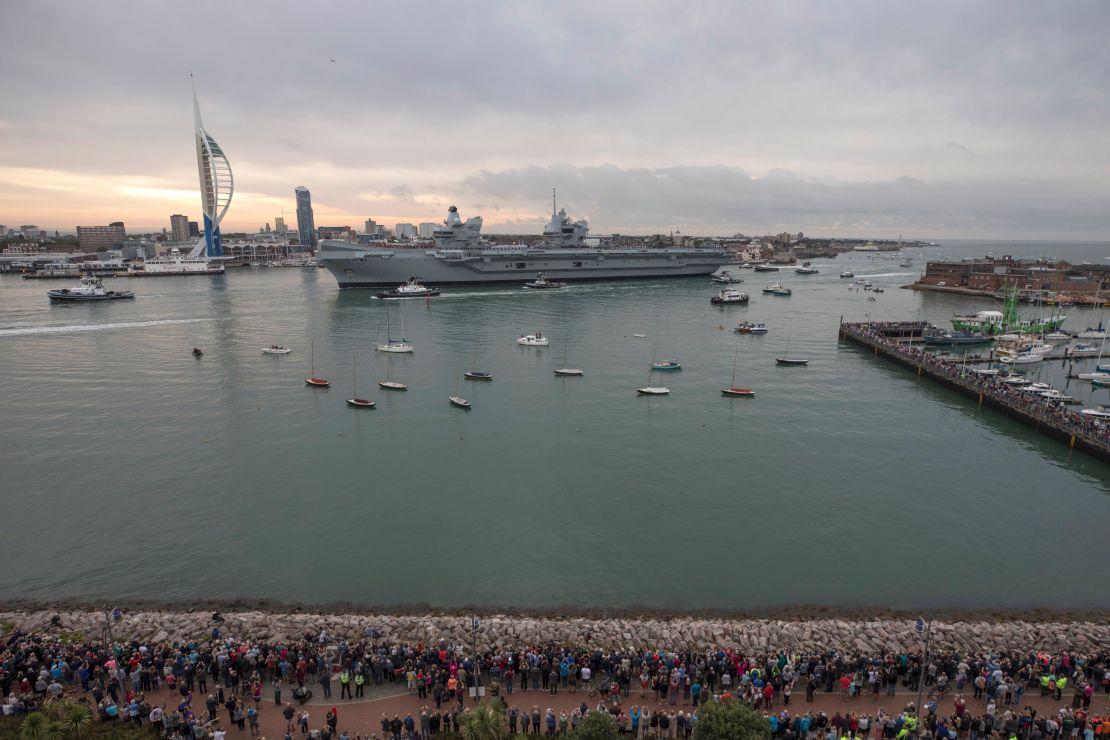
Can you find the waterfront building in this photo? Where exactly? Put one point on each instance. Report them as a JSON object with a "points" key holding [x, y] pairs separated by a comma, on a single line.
{"points": [[425, 230], [306, 227], [370, 227], [179, 228], [99, 238], [335, 232], [279, 225], [1031, 278], [217, 185], [404, 231]]}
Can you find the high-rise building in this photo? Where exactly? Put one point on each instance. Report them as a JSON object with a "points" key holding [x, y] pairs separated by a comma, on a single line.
{"points": [[194, 229], [404, 231], [306, 227], [99, 238], [216, 184], [371, 226], [424, 230], [279, 224], [179, 228]]}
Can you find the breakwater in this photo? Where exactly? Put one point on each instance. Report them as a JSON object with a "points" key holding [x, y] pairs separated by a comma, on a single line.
{"points": [[1076, 431], [500, 631]]}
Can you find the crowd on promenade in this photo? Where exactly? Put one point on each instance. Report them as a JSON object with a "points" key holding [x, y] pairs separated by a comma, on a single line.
{"points": [[223, 685], [1087, 427]]}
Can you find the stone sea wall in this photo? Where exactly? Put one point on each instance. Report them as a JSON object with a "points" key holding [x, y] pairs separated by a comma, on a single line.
{"points": [[500, 631]]}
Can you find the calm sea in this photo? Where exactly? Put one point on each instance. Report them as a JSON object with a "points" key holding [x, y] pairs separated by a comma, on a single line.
{"points": [[133, 470]]}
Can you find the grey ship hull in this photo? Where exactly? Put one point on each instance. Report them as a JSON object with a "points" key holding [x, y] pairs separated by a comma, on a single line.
{"points": [[361, 266]]}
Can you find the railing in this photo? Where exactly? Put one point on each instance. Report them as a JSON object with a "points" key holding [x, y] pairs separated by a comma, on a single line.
{"points": [[1080, 432]]}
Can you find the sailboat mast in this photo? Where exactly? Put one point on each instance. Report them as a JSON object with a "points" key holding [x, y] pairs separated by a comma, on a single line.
{"points": [[733, 383]]}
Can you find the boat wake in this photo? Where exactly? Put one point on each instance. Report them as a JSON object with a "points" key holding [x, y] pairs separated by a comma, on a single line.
{"points": [[26, 330], [886, 274]]}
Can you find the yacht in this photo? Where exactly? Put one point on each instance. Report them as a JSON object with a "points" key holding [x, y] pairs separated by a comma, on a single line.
{"points": [[533, 340]]}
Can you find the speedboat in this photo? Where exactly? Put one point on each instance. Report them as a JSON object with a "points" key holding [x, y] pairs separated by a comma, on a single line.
{"points": [[476, 375], [806, 269], [847, 274], [461, 403], [542, 283], [410, 289], [90, 289], [533, 340], [667, 366], [273, 349], [777, 289], [653, 391], [725, 277], [729, 295]]}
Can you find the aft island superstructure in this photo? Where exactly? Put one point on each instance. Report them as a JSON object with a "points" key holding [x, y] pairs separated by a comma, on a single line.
{"points": [[461, 257]]}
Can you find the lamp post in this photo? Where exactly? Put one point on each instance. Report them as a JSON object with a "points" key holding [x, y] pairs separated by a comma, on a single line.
{"points": [[922, 627], [475, 625]]}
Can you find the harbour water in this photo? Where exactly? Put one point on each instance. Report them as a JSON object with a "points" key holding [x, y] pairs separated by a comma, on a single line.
{"points": [[134, 471]]}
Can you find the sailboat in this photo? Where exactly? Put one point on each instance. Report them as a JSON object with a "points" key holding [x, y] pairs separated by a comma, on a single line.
{"points": [[313, 380], [456, 399], [387, 384], [391, 344], [732, 390], [786, 359], [476, 374], [565, 371], [650, 390], [354, 400]]}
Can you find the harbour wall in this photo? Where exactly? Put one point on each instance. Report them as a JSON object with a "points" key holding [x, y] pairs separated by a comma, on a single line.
{"points": [[1065, 426], [501, 631]]}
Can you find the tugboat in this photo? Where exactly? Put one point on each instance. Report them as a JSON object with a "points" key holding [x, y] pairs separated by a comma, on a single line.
{"points": [[409, 289], [90, 289], [729, 295], [542, 283], [724, 277]]}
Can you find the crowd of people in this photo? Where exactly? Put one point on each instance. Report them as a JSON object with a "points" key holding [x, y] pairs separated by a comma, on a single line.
{"points": [[1088, 427], [222, 684]]}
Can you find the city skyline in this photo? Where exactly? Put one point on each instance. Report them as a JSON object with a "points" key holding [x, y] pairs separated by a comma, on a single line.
{"points": [[958, 120]]}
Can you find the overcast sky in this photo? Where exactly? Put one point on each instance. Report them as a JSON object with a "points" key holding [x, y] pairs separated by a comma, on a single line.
{"points": [[977, 119]]}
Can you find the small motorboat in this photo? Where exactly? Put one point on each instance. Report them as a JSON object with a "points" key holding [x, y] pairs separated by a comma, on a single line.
{"points": [[847, 274], [744, 327], [653, 391], [806, 269], [668, 366], [90, 289], [729, 295], [533, 340], [197, 353], [392, 385], [458, 402], [542, 283], [410, 289], [724, 277], [569, 372], [476, 375], [745, 265], [777, 289], [273, 349], [360, 403]]}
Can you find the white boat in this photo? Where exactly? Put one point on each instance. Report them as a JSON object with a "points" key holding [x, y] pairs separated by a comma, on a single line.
{"points": [[1056, 396], [1015, 381], [806, 269], [176, 263], [732, 390], [777, 289], [1084, 350], [542, 283], [986, 372], [1098, 413], [461, 403], [725, 277], [847, 274], [90, 289], [564, 371], [533, 340], [1094, 376], [729, 295], [1058, 335], [1019, 358], [273, 349], [311, 380], [409, 289], [653, 391], [906, 263], [395, 345], [387, 384], [354, 401]]}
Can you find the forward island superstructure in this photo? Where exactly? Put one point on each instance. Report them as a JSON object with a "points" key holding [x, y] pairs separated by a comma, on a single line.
{"points": [[461, 257]]}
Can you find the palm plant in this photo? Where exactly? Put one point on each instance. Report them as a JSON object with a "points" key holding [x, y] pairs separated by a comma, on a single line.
{"points": [[75, 718], [36, 726], [484, 722]]}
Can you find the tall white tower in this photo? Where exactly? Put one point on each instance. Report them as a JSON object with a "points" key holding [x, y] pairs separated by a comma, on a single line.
{"points": [[216, 186]]}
